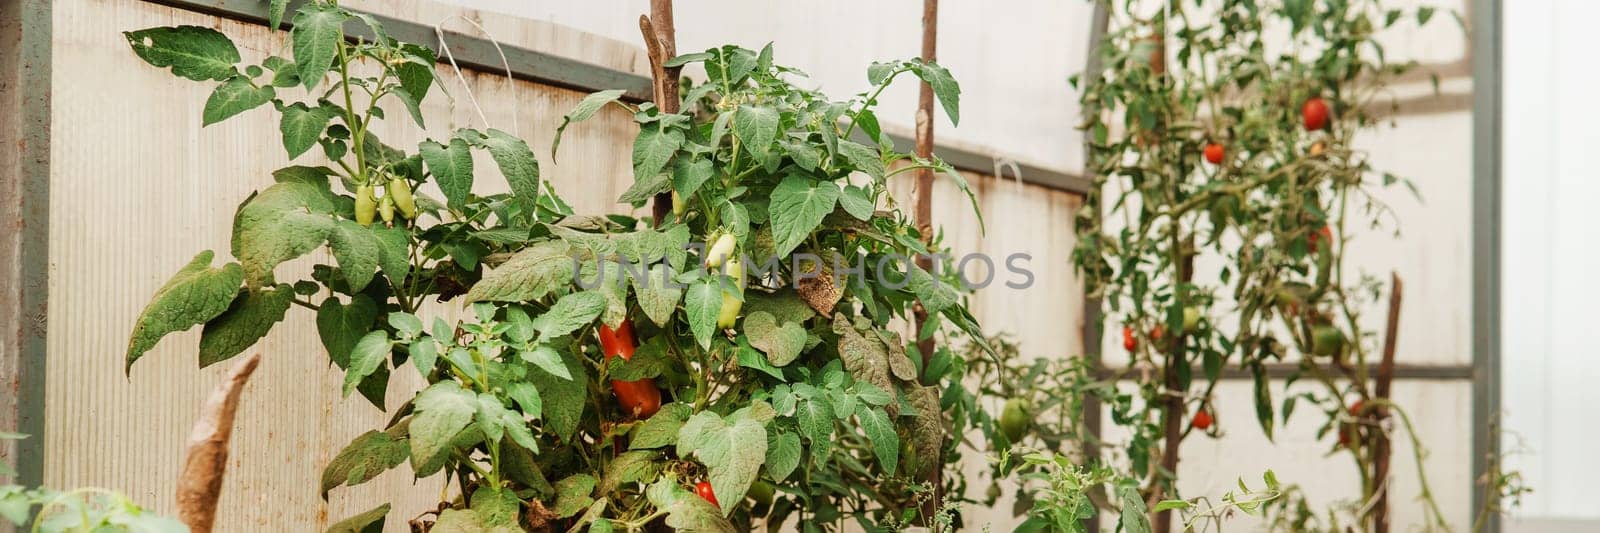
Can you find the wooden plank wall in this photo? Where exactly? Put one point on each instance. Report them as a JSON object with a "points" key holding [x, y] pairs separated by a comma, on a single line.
{"points": [[138, 187]]}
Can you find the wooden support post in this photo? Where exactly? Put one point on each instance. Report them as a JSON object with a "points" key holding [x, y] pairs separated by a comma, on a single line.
{"points": [[924, 220], [660, 41], [1381, 449]]}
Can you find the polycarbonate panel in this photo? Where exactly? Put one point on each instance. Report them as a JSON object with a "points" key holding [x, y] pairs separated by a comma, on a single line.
{"points": [[1440, 411]]}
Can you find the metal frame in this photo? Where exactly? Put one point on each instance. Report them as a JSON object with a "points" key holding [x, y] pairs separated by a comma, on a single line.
{"points": [[1486, 226], [25, 267], [548, 69], [1484, 371]]}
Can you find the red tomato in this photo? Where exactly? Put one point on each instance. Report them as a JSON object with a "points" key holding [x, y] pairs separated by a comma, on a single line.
{"points": [[1355, 408], [1157, 332], [1314, 113], [1215, 153], [703, 488], [639, 398], [1202, 420], [1323, 233], [1128, 342]]}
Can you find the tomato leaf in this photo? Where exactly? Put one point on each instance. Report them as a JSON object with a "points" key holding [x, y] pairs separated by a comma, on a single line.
{"points": [[249, 318], [530, 274], [234, 96], [703, 303], [370, 352], [452, 167], [442, 410], [195, 295], [585, 109], [194, 52], [798, 205], [302, 126], [733, 450], [317, 34], [370, 454], [371, 520]]}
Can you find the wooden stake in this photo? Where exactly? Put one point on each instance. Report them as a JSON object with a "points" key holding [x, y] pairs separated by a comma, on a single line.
{"points": [[660, 43], [924, 219], [1380, 440]]}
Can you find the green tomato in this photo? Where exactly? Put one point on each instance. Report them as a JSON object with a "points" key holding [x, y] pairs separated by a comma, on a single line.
{"points": [[1326, 340], [1014, 419]]}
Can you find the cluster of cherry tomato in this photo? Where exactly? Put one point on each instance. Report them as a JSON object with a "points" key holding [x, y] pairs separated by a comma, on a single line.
{"points": [[1313, 115]]}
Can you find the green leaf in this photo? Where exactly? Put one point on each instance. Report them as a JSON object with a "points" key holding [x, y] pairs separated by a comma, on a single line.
{"points": [[370, 454], [652, 149], [944, 87], [571, 312], [863, 158], [370, 521], [927, 428], [517, 163], [855, 201], [1167, 505], [547, 359], [249, 318], [703, 303], [687, 59], [527, 398], [357, 250], [661, 428], [275, 10], [573, 495], [302, 126], [342, 325], [451, 167], [416, 73], [689, 174], [757, 128], [782, 343], [629, 467], [732, 452], [406, 324], [317, 34], [564, 399], [194, 52], [282, 222], [425, 354], [648, 361], [530, 274], [880, 430], [798, 205], [583, 111], [234, 96], [1134, 517], [934, 294], [370, 352], [815, 417], [442, 410], [195, 295], [752, 359], [497, 421], [783, 454], [412, 103]]}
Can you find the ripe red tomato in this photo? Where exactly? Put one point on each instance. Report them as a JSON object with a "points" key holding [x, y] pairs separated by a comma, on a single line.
{"points": [[1202, 420], [641, 398], [703, 488], [1321, 234], [1128, 342], [1355, 408], [1215, 153], [1157, 332], [1314, 113]]}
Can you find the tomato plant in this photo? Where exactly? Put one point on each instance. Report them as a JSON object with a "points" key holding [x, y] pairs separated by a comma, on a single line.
{"points": [[604, 361], [1237, 149]]}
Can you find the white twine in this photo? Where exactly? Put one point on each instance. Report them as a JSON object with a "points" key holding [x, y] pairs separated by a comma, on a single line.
{"points": [[438, 30]]}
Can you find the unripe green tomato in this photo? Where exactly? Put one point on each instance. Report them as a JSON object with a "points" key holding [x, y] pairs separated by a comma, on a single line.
{"points": [[386, 208], [1191, 318], [678, 204], [719, 250], [730, 304], [993, 492], [762, 492], [366, 205], [400, 190], [1014, 419], [909, 464], [1326, 340]]}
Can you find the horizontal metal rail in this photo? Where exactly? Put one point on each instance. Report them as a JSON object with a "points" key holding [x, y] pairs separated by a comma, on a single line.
{"points": [[1284, 370], [479, 54]]}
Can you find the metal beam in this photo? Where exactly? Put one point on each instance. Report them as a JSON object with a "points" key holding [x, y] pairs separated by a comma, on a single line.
{"points": [[1093, 316], [1486, 226], [25, 34], [479, 54], [1284, 370]]}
